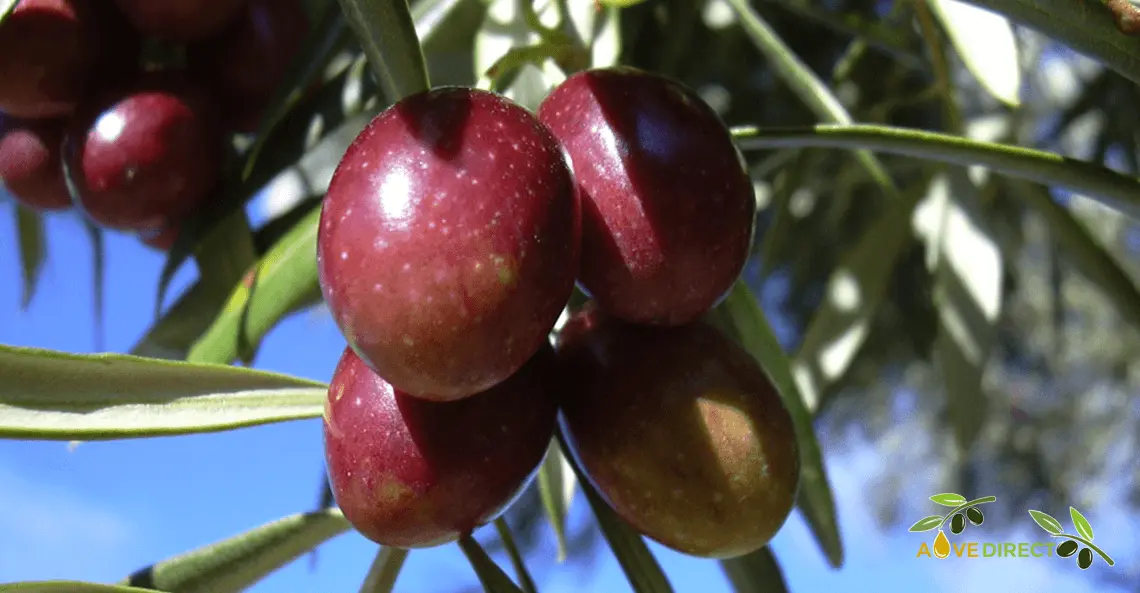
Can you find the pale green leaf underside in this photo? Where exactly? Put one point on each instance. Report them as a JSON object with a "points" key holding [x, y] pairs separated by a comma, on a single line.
{"points": [[68, 587], [235, 563], [51, 395]]}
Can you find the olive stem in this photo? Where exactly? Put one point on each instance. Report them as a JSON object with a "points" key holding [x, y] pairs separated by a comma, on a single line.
{"points": [[1115, 189], [525, 581], [964, 506], [1086, 542]]}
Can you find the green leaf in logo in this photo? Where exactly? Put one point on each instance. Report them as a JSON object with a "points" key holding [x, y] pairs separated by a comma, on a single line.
{"points": [[1047, 522], [927, 524], [949, 499], [1084, 529]]}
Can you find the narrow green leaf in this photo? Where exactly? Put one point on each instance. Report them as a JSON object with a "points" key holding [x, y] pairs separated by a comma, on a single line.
{"points": [[285, 277], [68, 587], [949, 499], [1114, 189], [927, 524], [6, 8], [1087, 27], [552, 489], [967, 267], [53, 395], [986, 43], [1084, 528], [493, 579], [758, 572], [1092, 259], [30, 232], [388, 35], [236, 563], [526, 583], [815, 496], [639, 565], [384, 571], [1047, 522], [329, 34], [807, 86]]}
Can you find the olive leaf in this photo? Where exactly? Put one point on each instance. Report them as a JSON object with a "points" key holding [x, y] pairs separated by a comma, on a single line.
{"points": [[30, 230], [236, 563], [949, 499], [51, 395], [1084, 528], [526, 583], [388, 36], [493, 579], [815, 497], [385, 569], [1047, 522], [637, 562], [757, 572], [556, 489], [69, 587], [1086, 27], [986, 43], [6, 8], [926, 524]]}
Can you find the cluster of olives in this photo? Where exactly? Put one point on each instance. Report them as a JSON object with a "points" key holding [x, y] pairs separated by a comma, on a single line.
{"points": [[454, 231], [90, 116]]}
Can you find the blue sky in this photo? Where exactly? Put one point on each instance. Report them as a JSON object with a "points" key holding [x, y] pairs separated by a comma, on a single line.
{"points": [[105, 509]]}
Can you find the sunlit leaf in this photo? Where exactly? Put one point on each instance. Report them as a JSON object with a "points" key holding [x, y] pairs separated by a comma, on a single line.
{"points": [[815, 497], [556, 489], [1086, 27], [388, 35], [69, 587], [385, 569], [493, 579], [986, 44], [236, 563], [30, 233], [967, 268], [758, 572], [54, 395]]}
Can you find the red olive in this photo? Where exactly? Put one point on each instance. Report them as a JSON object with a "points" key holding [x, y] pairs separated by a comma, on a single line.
{"points": [[667, 208], [448, 243], [51, 51], [680, 431], [244, 64], [30, 164], [146, 155], [180, 20], [411, 473]]}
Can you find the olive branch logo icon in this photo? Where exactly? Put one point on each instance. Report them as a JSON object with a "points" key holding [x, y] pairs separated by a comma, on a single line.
{"points": [[962, 510], [1069, 546]]}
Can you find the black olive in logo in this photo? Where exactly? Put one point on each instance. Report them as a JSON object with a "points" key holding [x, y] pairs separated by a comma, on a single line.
{"points": [[1085, 558], [1067, 548], [975, 515], [957, 524]]}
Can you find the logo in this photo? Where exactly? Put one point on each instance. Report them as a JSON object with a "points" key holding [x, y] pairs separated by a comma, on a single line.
{"points": [[962, 510], [1072, 542], [966, 512]]}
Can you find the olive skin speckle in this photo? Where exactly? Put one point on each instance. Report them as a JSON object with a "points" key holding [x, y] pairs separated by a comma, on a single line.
{"points": [[445, 279]]}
